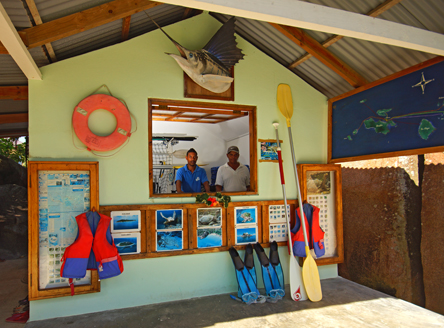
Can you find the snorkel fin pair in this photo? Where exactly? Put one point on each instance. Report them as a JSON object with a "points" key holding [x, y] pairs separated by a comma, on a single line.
{"points": [[272, 274], [247, 289]]}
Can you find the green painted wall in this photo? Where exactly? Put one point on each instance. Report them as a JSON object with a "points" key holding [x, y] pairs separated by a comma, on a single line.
{"points": [[135, 71]]}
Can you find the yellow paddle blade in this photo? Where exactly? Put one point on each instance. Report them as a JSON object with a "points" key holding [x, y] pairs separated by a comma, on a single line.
{"points": [[310, 275], [285, 102]]}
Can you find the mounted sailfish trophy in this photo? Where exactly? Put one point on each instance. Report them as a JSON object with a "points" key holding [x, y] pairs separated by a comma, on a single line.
{"points": [[210, 66]]}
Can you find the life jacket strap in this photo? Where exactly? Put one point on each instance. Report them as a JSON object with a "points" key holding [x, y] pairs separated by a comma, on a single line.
{"points": [[71, 284]]}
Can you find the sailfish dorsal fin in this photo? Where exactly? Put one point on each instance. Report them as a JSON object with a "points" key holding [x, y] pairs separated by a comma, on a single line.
{"points": [[223, 45]]}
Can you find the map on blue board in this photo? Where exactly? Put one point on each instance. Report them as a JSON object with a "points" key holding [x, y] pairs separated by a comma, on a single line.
{"points": [[406, 113]]}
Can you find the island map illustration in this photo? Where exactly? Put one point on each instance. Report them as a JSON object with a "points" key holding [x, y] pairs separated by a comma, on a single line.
{"points": [[402, 114]]}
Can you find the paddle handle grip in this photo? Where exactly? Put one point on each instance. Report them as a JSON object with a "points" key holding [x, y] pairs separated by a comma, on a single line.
{"points": [[281, 168]]}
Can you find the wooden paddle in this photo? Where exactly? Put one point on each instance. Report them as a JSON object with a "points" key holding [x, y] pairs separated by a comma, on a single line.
{"points": [[297, 290], [310, 273]]}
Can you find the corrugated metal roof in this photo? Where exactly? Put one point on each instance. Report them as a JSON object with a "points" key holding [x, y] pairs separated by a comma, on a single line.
{"points": [[371, 60]]}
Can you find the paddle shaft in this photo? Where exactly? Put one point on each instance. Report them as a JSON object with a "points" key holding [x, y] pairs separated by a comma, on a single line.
{"points": [[281, 171], [297, 289], [297, 185]]}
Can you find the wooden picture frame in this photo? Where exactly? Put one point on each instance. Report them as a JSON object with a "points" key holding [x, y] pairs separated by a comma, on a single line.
{"points": [[177, 108], [266, 143], [34, 167], [194, 90], [399, 115], [330, 190]]}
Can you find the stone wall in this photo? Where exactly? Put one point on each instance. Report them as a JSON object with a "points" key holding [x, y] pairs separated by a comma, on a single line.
{"points": [[432, 245], [382, 232]]}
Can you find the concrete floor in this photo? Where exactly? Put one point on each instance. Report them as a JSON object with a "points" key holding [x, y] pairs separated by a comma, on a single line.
{"points": [[12, 289], [344, 304]]}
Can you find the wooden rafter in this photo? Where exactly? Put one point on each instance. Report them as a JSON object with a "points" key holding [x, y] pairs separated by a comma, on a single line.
{"points": [[16, 48], [38, 21], [386, 5], [312, 46], [202, 117], [173, 116], [14, 93], [187, 13], [202, 110], [72, 24], [14, 118], [126, 27]]}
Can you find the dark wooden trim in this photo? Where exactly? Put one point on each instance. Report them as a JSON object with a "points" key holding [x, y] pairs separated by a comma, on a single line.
{"points": [[14, 118], [14, 92]]}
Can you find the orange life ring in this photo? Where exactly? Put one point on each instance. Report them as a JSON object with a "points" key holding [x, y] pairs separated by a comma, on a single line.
{"points": [[112, 105]]}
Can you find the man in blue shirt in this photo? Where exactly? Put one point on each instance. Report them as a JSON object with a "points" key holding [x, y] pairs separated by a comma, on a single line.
{"points": [[190, 177]]}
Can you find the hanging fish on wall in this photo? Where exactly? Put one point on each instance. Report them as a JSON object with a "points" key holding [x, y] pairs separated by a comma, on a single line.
{"points": [[209, 67]]}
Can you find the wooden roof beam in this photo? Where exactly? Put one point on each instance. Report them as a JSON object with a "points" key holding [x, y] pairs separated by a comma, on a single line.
{"points": [[38, 21], [383, 7], [16, 48], [84, 20], [13, 118], [312, 46], [126, 27], [14, 93]]}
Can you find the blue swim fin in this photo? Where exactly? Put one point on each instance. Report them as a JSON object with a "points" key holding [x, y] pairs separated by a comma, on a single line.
{"points": [[276, 263], [269, 276], [249, 262], [247, 287]]}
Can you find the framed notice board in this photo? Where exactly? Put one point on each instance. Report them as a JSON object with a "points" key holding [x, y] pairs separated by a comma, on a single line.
{"points": [[321, 186], [402, 114], [57, 193]]}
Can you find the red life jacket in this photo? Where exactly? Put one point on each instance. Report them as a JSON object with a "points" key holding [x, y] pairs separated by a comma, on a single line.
{"points": [[93, 249], [315, 234]]}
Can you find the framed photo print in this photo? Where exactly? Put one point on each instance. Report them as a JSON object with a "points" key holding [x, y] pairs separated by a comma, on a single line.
{"points": [[127, 243], [125, 221], [169, 219], [169, 240]]}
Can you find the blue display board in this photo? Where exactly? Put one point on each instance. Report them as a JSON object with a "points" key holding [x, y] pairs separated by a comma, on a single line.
{"points": [[399, 115]]}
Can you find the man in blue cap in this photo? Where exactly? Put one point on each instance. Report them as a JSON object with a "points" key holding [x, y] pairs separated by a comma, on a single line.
{"points": [[191, 177]]}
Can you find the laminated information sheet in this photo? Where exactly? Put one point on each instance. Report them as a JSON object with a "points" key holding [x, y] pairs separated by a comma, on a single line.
{"points": [[62, 196]]}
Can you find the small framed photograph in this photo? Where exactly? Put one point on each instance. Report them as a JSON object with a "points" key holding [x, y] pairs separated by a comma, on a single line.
{"points": [[209, 237], [246, 235], [127, 243], [245, 215], [209, 217], [269, 150], [125, 221], [169, 240], [169, 219]]}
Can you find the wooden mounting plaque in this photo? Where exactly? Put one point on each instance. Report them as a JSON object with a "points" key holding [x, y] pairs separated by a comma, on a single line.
{"points": [[193, 90]]}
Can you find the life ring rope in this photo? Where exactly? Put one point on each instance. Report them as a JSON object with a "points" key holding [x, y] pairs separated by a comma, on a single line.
{"points": [[120, 136]]}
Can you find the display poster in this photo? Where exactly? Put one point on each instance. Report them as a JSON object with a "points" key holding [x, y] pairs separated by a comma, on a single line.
{"points": [[62, 196], [321, 193]]}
